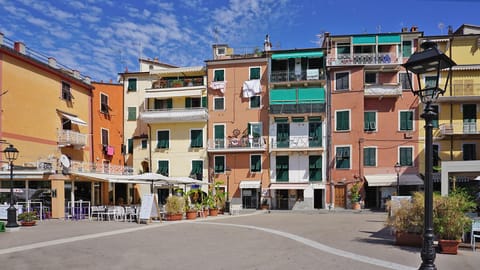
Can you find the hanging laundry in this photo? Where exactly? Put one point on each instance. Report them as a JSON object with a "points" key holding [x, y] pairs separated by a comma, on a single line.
{"points": [[251, 88], [219, 86], [110, 150]]}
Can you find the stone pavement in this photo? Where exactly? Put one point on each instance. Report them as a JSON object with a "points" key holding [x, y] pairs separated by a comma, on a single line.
{"points": [[255, 240]]}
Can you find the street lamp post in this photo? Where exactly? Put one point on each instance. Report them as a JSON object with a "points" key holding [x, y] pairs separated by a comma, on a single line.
{"points": [[228, 171], [397, 167], [11, 154], [428, 61]]}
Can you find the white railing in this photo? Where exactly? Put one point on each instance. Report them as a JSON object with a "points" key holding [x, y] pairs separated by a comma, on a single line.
{"points": [[233, 143], [69, 137], [376, 90], [295, 142], [460, 128], [364, 59]]}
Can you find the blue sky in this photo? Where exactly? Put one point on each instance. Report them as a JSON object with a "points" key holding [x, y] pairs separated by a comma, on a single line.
{"points": [[102, 37]]}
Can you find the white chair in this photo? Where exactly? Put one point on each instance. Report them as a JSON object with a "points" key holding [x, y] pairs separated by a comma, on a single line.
{"points": [[475, 234], [130, 213], [235, 209], [119, 213]]}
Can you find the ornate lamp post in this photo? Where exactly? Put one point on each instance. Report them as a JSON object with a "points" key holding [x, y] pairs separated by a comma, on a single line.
{"points": [[397, 167], [228, 171], [428, 61], [11, 154]]}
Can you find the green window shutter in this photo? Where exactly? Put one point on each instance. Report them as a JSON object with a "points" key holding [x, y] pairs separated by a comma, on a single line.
{"points": [[283, 135], [219, 136], [188, 102], [163, 167], [435, 118], [343, 121], [204, 102], [406, 156], [130, 146], [407, 48], [196, 138], [298, 119], [255, 163], [219, 103], [132, 113], [406, 120], [169, 103], [342, 158], [144, 143], [282, 168], [369, 157], [197, 169], [219, 75], [254, 73], [163, 139], [255, 102], [341, 81], [315, 134], [315, 168], [219, 164], [132, 85], [369, 121]]}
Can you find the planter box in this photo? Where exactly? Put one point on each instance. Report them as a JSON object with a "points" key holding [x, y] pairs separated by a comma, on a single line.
{"points": [[448, 246], [408, 239], [174, 217]]}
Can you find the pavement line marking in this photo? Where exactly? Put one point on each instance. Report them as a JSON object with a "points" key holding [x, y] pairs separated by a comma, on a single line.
{"points": [[322, 247]]}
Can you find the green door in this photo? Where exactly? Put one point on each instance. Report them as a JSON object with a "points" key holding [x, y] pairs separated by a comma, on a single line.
{"points": [[219, 135], [469, 118]]}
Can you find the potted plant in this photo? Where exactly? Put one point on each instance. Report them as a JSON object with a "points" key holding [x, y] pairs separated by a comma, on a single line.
{"points": [[406, 220], [355, 196], [190, 209], [28, 218], [174, 207], [450, 221], [212, 205], [265, 205]]}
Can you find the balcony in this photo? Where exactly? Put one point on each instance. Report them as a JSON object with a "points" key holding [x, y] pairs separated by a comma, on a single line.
{"points": [[51, 165], [383, 90], [233, 144], [174, 115], [466, 128], [365, 59], [176, 83], [305, 76], [462, 92], [71, 138], [296, 143]]}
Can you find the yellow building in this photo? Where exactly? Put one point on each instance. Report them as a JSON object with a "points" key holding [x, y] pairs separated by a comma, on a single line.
{"points": [[45, 114], [456, 129]]}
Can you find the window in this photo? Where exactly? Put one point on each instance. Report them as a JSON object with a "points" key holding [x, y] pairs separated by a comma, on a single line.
{"points": [[163, 167], [193, 102], [342, 81], [282, 168], [314, 133], [132, 85], [104, 103], [255, 73], [370, 77], [403, 80], [255, 129], [254, 102], [144, 143], [221, 51], [430, 81], [130, 146], [66, 92], [104, 136], [255, 163], [407, 48], [219, 75], [315, 168], [370, 156], [218, 103], [162, 104], [343, 48], [406, 156], [342, 156], [406, 120], [435, 117], [132, 114], [163, 137], [196, 138], [370, 121], [219, 166], [197, 169], [283, 135], [469, 151], [219, 135], [342, 120]]}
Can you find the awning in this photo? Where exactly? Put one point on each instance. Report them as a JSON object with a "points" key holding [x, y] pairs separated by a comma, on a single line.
{"points": [[387, 180], [181, 71], [249, 184], [74, 119], [289, 185], [111, 178], [297, 55]]}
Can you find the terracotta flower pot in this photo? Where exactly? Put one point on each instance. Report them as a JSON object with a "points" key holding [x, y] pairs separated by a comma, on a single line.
{"points": [[448, 246], [28, 223], [408, 239], [213, 212], [191, 214], [174, 217]]}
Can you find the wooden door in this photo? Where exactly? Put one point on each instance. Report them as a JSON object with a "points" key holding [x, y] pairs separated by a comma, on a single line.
{"points": [[340, 196]]}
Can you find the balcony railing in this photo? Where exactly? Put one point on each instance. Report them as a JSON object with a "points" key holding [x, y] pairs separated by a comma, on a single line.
{"points": [[382, 90], [364, 59], [459, 129], [51, 165], [175, 115], [237, 144], [292, 142], [69, 137], [175, 83], [466, 89], [291, 76]]}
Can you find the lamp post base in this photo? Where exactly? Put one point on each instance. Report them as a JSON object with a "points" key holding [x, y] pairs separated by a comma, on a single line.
{"points": [[11, 217]]}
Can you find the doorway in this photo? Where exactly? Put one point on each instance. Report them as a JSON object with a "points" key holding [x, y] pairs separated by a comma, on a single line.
{"points": [[318, 198], [282, 199], [340, 192]]}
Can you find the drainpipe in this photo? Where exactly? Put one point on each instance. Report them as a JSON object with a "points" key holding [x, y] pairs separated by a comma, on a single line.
{"points": [[328, 119], [450, 40], [149, 147]]}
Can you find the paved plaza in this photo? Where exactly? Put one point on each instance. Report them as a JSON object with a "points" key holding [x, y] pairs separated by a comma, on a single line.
{"points": [[259, 240]]}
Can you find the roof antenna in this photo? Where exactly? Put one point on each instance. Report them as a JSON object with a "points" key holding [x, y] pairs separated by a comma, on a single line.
{"points": [[215, 32]]}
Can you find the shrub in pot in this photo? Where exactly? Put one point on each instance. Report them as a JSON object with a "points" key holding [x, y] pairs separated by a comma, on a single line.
{"points": [[174, 207]]}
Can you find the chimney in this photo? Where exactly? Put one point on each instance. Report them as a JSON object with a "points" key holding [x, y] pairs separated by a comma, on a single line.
{"points": [[267, 45], [52, 62], [87, 80], [76, 74], [414, 29], [404, 29], [19, 47], [155, 59], [450, 30]]}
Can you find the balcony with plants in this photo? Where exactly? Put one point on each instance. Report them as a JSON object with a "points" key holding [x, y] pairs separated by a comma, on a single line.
{"points": [[237, 144], [304, 71], [162, 110]]}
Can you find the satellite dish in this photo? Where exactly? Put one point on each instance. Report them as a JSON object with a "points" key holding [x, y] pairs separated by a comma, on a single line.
{"points": [[65, 161]]}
